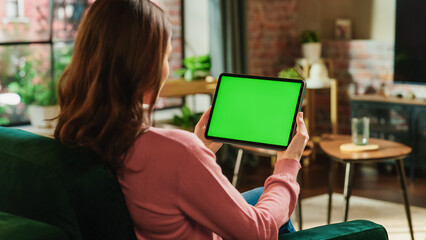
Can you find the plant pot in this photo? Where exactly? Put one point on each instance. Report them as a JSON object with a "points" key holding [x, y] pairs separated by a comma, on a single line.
{"points": [[311, 51], [40, 115]]}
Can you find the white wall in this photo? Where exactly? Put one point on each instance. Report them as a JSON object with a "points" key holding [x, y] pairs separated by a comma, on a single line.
{"points": [[371, 19], [383, 20], [196, 27]]}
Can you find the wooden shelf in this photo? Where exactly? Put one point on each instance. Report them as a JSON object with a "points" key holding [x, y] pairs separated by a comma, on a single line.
{"points": [[181, 88], [378, 98]]}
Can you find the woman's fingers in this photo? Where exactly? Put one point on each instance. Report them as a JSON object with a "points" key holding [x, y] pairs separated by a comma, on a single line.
{"points": [[203, 120], [298, 143]]}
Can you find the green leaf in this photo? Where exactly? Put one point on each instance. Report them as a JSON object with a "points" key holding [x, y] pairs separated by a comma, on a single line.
{"points": [[309, 36], [204, 59], [14, 87], [180, 72], [189, 74], [4, 121], [178, 121], [289, 73], [186, 112]]}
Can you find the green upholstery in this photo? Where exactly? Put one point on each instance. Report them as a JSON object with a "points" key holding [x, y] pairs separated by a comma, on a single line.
{"points": [[20, 228], [49, 191], [353, 230], [42, 180]]}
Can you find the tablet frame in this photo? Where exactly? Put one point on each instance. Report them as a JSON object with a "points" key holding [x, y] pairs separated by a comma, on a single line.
{"points": [[250, 143]]}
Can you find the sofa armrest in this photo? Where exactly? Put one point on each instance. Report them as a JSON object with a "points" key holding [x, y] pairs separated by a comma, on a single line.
{"points": [[21, 228], [353, 230]]}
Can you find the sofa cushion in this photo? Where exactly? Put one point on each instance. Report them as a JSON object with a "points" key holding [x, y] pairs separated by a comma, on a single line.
{"points": [[352, 230], [20, 228], [34, 191], [87, 197]]}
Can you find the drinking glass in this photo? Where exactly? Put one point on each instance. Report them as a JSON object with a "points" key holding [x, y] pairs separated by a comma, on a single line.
{"points": [[360, 130]]}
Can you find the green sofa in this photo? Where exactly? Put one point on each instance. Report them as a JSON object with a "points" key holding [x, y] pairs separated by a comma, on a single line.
{"points": [[50, 192]]}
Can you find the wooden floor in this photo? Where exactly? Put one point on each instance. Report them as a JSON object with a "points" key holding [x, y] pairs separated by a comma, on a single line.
{"points": [[372, 181]]}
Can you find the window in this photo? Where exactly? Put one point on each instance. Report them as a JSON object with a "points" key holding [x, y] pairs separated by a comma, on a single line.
{"points": [[15, 12], [36, 44]]}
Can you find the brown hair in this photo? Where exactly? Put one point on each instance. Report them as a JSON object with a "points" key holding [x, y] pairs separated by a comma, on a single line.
{"points": [[118, 57]]}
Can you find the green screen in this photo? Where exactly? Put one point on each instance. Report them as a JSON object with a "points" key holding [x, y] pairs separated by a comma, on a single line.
{"points": [[254, 110]]}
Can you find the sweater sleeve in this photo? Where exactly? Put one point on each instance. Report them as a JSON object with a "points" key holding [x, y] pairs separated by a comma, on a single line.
{"points": [[206, 196]]}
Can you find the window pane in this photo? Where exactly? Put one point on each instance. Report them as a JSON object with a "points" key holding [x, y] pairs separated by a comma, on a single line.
{"points": [[62, 53], [32, 25], [66, 18], [11, 8], [26, 71]]}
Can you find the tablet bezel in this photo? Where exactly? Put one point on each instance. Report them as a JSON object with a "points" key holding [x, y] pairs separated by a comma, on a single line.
{"points": [[250, 143]]}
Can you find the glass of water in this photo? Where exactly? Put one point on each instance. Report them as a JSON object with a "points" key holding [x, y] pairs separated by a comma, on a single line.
{"points": [[360, 130]]}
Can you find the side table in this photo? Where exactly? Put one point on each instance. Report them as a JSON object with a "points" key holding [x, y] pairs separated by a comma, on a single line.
{"points": [[388, 151]]}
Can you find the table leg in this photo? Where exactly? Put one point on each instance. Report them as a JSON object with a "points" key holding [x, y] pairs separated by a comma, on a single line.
{"points": [[347, 188], [237, 167], [331, 172], [402, 182]]}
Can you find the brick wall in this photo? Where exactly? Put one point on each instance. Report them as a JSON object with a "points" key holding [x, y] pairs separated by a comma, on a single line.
{"points": [[272, 40], [361, 65], [173, 10], [365, 65], [35, 28]]}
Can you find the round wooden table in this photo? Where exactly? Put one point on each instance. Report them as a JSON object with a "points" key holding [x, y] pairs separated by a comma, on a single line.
{"points": [[387, 151]]}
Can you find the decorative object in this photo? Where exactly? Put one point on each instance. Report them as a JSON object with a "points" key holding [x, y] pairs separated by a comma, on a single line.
{"points": [[311, 45], [195, 68], [343, 30], [318, 76]]}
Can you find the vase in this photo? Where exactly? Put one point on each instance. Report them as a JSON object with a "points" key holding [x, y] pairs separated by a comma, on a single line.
{"points": [[311, 51], [43, 116]]}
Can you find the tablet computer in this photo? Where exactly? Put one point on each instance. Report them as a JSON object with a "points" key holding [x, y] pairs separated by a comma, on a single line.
{"points": [[255, 111]]}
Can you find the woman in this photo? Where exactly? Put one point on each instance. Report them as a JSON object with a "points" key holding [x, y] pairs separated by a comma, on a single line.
{"points": [[172, 185]]}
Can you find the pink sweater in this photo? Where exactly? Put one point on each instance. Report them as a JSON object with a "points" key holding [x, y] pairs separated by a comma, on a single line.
{"points": [[174, 189]]}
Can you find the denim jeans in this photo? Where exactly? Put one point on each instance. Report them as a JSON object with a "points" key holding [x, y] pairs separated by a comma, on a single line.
{"points": [[253, 196]]}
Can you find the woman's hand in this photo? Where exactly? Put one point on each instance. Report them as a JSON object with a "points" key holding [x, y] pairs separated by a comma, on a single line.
{"points": [[298, 143], [200, 130]]}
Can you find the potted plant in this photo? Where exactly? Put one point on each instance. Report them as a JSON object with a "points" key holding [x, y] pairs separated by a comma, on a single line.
{"points": [[291, 73], [188, 120], [195, 68], [3, 120], [311, 45], [38, 94]]}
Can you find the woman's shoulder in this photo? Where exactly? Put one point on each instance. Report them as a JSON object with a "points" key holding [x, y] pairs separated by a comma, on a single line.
{"points": [[170, 137]]}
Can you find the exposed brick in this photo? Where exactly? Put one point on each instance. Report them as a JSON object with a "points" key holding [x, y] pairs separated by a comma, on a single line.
{"points": [[173, 10]]}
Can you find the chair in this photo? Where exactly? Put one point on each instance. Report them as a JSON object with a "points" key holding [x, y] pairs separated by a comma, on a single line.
{"points": [[50, 192]]}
